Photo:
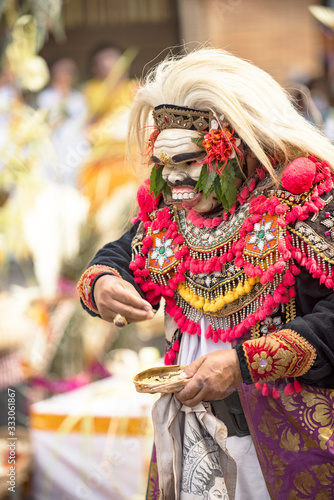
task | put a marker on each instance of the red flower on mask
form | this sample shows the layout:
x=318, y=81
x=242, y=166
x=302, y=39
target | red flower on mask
x=150, y=144
x=221, y=146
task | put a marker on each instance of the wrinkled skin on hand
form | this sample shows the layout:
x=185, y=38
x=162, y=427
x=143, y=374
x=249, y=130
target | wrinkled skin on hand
x=213, y=376
x=114, y=295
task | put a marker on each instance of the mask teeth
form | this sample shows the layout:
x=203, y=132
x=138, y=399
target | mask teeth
x=183, y=196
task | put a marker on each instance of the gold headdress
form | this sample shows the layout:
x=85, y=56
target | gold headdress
x=168, y=116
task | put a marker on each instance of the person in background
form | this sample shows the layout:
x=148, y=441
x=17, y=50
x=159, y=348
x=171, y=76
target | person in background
x=109, y=95
x=109, y=86
x=322, y=87
x=67, y=116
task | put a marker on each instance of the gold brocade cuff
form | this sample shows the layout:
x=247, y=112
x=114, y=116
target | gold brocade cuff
x=281, y=354
x=84, y=286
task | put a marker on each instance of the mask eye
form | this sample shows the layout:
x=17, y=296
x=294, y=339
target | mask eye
x=196, y=161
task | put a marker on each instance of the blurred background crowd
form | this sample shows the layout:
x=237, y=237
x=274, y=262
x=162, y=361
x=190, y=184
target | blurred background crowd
x=68, y=73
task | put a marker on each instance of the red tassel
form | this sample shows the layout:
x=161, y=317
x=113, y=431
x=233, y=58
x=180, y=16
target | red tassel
x=265, y=390
x=288, y=389
x=297, y=386
x=176, y=345
x=215, y=337
x=259, y=386
x=208, y=333
x=275, y=394
x=171, y=356
x=167, y=359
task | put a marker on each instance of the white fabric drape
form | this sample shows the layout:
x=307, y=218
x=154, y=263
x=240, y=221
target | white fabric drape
x=250, y=481
x=191, y=452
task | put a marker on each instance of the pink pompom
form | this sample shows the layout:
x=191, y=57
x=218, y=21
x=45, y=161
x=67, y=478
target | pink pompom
x=215, y=337
x=288, y=389
x=265, y=389
x=275, y=394
x=178, y=314
x=171, y=356
x=299, y=175
x=297, y=386
x=176, y=346
x=146, y=199
x=167, y=359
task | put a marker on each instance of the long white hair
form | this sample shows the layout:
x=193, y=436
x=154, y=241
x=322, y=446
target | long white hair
x=256, y=106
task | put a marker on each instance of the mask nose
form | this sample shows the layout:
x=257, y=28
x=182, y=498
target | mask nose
x=176, y=177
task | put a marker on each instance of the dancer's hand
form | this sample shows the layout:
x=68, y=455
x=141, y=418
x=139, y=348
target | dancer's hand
x=213, y=376
x=114, y=296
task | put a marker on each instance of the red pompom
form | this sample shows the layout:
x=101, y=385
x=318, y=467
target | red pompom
x=299, y=175
x=171, y=357
x=176, y=346
x=297, y=386
x=167, y=359
x=275, y=394
x=265, y=389
x=146, y=200
x=288, y=389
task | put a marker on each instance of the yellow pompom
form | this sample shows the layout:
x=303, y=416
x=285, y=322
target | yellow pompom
x=198, y=304
x=229, y=297
x=220, y=303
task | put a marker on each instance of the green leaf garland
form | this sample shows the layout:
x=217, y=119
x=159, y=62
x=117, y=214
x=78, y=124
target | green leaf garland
x=205, y=181
x=223, y=185
x=157, y=183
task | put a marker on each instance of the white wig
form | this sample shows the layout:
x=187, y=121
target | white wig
x=255, y=105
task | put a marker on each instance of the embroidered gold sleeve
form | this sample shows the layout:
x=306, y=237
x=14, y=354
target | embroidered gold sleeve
x=281, y=354
x=84, y=286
